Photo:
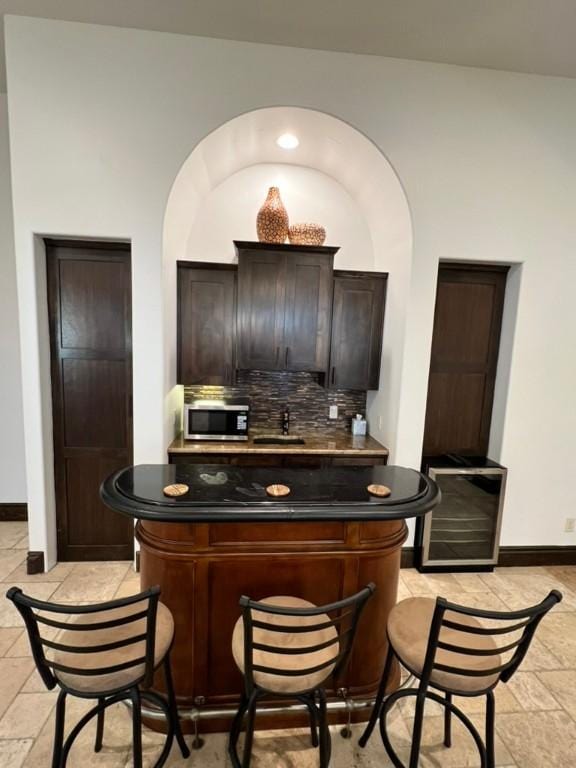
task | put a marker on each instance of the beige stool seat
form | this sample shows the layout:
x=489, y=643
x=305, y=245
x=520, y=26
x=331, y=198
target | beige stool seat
x=408, y=629
x=288, y=684
x=93, y=684
x=477, y=649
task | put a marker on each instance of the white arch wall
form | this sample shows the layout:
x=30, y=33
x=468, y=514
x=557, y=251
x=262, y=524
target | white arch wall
x=336, y=150
x=229, y=213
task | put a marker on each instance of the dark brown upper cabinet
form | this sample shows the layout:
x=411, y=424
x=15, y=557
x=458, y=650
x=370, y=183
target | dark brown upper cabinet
x=206, y=323
x=357, y=328
x=284, y=306
x=465, y=344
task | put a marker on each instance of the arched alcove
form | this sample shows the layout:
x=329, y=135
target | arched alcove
x=228, y=213
x=346, y=160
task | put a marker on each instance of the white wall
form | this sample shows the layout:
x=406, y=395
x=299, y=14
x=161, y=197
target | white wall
x=102, y=119
x=12, y=466
x=229, y=213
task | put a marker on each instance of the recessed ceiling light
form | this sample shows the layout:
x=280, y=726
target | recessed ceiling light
x=287, y=141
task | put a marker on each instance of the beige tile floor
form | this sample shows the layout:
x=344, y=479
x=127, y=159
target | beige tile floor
x=536, y=712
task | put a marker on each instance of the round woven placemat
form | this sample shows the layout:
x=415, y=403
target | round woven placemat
x=178, y=489
x=277, y=490
x=379, y=490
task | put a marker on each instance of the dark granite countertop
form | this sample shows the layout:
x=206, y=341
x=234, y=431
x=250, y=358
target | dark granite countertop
x=220, y=494
x=315, y=444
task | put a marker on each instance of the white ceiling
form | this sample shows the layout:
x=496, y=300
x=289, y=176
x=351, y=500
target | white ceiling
x=535, y=36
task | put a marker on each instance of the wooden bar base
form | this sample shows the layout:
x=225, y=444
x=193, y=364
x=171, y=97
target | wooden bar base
x=203, y=569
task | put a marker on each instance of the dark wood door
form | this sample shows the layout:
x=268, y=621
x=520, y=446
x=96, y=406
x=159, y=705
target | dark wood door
x=466, y=338
x=261, y=308
x=90, y=339
x=357, y=328
x=308, y=312
x=206, y=324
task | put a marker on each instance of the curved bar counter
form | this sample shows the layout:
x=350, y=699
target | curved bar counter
x=226, y=537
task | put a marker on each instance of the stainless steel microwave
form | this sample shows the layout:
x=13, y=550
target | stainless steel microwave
x=216, y=420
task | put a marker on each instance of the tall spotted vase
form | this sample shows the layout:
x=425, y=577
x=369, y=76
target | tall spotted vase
x=272, y=219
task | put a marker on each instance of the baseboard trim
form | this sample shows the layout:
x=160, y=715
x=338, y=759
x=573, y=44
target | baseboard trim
x=35, y=563
x=513, y=556
x=9, y=512
x=510, y=556
x=408, y=557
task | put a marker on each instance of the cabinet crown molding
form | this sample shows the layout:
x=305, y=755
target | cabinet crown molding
x=256, y=245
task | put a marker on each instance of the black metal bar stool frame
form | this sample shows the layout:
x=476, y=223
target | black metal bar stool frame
x=526, y=621
x=346, y=616
x=314, y=701
x=34, y=612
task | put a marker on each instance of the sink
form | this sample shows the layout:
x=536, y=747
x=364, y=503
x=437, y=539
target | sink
x=278, y=440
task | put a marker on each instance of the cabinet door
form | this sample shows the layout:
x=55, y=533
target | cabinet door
x=261, y=306
x=307, y=323
x=357, y=327
x=206, y=325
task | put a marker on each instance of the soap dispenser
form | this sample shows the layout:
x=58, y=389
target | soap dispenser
x=358, y=425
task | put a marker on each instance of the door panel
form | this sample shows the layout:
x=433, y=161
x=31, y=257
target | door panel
x=467, y=323
x=354, y=313
x=259, y=577
x=466, y=342
x=450, y=419
x=226, y=534
x=357, y=328
x=89, y=386
x=206, y=325
x=308, y=312
x=92, y=305
x=84, y=474
x=261, y=307
x=91, y=363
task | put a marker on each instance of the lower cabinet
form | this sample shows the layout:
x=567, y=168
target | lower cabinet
x=309, y=461
x=203, y=569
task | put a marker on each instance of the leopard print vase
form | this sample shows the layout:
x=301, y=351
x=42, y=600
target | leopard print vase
x=306, y=234
x=272, y=219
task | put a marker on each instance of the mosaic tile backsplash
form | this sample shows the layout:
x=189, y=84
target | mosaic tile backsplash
x=270, y=391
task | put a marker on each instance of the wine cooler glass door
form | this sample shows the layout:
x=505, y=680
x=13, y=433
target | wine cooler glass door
x=465, y=527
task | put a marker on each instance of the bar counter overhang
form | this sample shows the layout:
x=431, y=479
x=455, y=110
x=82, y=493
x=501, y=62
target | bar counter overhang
x=227, y=537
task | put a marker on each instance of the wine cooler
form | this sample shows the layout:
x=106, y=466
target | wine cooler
x=463, y=531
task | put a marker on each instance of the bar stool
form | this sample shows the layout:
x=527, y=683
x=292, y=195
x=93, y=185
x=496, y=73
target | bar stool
x=453, y=649
x=287, y=647
x=105, y=652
